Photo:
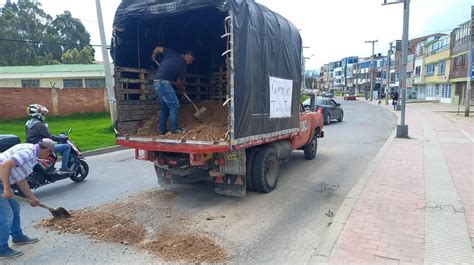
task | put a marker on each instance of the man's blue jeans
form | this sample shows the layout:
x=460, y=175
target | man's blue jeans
x=169, y=104
x=65, y=151
x=9, y=220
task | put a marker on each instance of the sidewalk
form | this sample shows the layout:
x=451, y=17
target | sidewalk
x=415, y=203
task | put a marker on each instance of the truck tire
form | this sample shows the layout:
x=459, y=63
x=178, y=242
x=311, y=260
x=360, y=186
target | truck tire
x=265, y=170
x=251, y=153
x=311, y=148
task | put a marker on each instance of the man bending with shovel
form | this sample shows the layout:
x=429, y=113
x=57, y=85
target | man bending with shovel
x=15, y=165
x=172, y=69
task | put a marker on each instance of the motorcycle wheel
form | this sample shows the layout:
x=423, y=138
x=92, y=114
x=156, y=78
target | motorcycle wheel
x=82, y=172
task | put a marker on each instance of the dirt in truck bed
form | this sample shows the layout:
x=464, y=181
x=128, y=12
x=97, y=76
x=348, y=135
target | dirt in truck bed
x=211, y=126
x=145, y=221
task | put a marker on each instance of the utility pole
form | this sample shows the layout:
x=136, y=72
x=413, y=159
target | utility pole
x=357, y=77
x=387, y=87
x=372, y=74
x=402, y=129
x=469, y=69
x=108, y=73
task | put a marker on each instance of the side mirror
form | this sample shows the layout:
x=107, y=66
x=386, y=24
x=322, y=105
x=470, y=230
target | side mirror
x=338, y=104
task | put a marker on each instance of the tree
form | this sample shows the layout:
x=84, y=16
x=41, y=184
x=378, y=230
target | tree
x=29, y=36
x=75, y=56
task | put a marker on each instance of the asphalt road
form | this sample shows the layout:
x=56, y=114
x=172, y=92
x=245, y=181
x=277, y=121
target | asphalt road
x=280, y=227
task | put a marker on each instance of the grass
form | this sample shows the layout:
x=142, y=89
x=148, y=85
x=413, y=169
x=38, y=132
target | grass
x=89, y=131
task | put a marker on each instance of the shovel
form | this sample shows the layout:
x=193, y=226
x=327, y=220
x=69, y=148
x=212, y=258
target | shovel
x=198, y=112
x=56, y=212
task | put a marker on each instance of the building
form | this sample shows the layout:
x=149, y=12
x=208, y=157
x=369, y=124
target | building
x=347, y=65
x=415, y=85
x=460, y=38
x=53, y=76
x=437, y=66
x=362, y=75
x=411, y=92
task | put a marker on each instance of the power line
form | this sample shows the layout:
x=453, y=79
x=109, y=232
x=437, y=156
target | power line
x=45, y=42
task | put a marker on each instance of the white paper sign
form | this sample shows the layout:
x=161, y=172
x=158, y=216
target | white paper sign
x=281, y=92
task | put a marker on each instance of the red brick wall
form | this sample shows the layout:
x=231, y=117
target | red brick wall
x=80, y=100
x=13, y=101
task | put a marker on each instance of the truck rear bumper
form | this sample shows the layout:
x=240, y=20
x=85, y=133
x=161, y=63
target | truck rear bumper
x=175, y=146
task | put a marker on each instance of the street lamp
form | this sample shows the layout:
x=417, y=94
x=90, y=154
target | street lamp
x=402, y=129
x=387, y=76
x=372, y=71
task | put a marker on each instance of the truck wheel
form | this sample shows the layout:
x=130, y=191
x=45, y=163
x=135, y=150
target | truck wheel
x=249, y=166
x=311, y=148
x=265, y=170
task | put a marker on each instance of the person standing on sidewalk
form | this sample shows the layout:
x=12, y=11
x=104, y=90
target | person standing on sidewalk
x=15, y=165
x=172, y=69
x=394, y=100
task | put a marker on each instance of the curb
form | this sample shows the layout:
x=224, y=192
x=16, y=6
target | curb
x=104, y=150
x=325, y=245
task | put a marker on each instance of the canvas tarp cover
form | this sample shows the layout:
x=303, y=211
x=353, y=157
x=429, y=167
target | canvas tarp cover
x=266, y=52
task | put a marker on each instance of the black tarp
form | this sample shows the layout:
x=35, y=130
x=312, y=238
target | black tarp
x=264, y=45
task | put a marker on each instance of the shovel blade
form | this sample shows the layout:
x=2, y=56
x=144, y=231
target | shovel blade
x=60, y=213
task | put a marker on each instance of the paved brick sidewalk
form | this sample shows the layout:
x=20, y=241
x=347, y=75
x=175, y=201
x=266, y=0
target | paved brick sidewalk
x=401, y=214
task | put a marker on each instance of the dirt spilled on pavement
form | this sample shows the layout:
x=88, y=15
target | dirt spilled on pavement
x=145, y=221
x=194, y=248
x=99, y=225
x=211, y=126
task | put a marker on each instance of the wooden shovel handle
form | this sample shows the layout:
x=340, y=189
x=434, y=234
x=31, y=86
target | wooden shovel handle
x=190, y=101
x=30, y=201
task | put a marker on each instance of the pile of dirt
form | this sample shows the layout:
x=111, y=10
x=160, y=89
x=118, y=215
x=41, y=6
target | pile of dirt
x=211, y=126
x=124, y=222
x=99, y=225
x=192, y=248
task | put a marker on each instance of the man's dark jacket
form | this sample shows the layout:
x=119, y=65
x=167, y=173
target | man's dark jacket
x=37, y=130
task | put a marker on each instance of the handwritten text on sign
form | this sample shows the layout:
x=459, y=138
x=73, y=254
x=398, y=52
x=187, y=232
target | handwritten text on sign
x=281, y=92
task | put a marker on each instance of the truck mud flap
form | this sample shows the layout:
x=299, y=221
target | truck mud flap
x=230, y=185
x=165, y=179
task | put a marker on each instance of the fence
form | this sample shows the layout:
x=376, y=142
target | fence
x=60, y=102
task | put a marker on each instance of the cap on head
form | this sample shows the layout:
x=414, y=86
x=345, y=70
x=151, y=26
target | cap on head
x=46, y=143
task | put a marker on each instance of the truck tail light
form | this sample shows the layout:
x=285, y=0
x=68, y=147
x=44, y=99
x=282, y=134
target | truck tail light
x=321, y=110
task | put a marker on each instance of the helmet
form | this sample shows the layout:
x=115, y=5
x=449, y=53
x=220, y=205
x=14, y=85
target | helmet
x=37, y=111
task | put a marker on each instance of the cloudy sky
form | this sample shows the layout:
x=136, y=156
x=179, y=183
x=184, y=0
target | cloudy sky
x=333, y=29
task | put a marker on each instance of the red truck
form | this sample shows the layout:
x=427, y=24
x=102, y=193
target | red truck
x=248, y=58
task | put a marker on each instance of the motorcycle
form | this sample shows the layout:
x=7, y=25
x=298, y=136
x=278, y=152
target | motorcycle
x=44, y=171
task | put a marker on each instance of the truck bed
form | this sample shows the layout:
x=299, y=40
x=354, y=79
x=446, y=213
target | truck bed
x=211, y=126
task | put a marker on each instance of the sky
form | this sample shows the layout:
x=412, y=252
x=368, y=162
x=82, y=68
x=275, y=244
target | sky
x=332, y=29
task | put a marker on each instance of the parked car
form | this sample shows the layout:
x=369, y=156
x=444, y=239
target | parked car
x=349, y=96
x=327, y=94
x=329, y=108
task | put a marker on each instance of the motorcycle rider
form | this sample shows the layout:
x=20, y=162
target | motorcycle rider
x=36, y=130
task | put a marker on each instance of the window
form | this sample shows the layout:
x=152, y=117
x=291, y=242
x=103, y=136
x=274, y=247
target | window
x=30, y=83
x=441, y=67
x=418, y=71
x=459, y=61
x=68, y=83
x=430, y=69
x=95, y=83
x=446, y=91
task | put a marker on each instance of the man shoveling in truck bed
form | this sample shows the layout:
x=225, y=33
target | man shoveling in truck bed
x=172, y=69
